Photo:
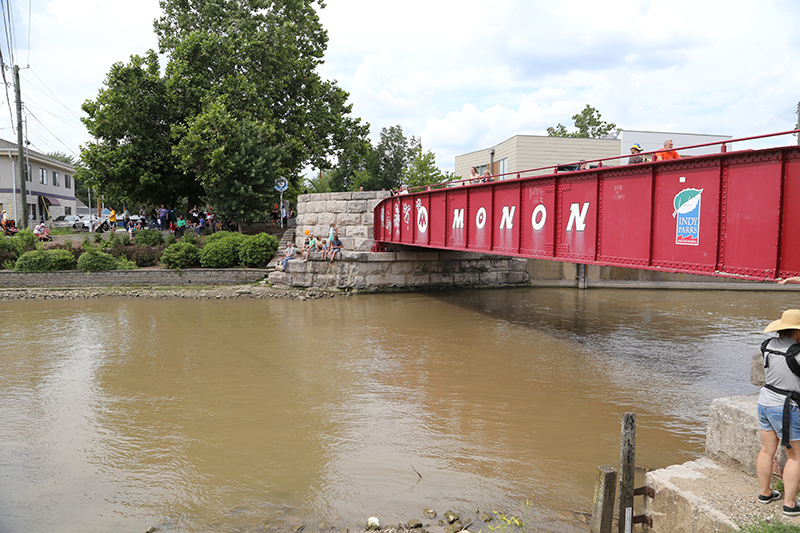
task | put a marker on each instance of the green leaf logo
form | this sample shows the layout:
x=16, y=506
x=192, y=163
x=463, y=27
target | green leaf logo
x=686, y=200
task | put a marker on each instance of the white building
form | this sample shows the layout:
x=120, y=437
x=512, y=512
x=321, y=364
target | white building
x=49, y=185
x=522, y=153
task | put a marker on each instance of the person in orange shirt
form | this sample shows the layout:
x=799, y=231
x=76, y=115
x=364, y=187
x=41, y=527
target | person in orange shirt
x=667, y=152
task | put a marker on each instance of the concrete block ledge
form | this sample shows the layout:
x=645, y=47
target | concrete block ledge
x=138, y=277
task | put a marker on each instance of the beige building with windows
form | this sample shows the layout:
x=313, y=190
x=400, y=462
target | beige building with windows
x=531, y=155
x=49, y=186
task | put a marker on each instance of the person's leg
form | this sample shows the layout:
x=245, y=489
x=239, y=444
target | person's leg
x=769, y=445
x=791, y=473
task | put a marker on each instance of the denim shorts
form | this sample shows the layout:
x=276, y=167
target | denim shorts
x=771, y=419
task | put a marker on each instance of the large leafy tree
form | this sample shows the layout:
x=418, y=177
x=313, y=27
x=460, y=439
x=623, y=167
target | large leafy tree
x=240, y=104
x=132, y=119
x=588, y=123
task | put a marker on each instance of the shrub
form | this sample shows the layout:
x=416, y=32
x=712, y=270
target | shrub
x=148, y=237
x=142, y=256
x=181, y=255
x=116, y=241
x=24, y=240
x=61, y=259
x=221, y=253
x=9, y=250
x=94, y=261
x=192, y=239
x=257, y=250
x=222, y=235
x=65, y=245
x=33, y=261
x=171, y=239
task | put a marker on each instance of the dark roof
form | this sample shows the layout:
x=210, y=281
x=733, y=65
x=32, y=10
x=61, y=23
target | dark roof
x=8, y=145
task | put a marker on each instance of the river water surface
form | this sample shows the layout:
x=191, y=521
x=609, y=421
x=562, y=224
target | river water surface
x=228, y=415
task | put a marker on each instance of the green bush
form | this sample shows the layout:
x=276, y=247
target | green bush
x=171, y=239
x=181, y=255
x=45, y=261
x=221, y=253
x=257, y=250
x=191, y=238
x=33, y=261
x=116, y=240
x=61, y=259
x=94, y=261
x=24, y=240
x=9, y=250
x=142, y=256
x=64, y=245
x=223, y=235
x=148, y=237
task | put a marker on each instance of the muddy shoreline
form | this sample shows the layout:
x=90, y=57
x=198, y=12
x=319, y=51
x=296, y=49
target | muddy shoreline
x=209, y=292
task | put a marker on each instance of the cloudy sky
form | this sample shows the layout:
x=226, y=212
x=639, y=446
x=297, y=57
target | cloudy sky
x=465, y=75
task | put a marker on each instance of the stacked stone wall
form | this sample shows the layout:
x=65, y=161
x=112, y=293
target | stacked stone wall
x=374, y=271
x=139, y=277
x=350, y=212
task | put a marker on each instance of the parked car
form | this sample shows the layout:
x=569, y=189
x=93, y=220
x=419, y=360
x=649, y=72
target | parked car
x=91, y=220
x=65, y=221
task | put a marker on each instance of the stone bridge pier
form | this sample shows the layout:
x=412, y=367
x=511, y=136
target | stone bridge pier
x=401, y=268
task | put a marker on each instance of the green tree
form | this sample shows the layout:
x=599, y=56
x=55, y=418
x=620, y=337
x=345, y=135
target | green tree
x=423, y=170
x=588, y=124
x=131, y=119
x=252, y=66
x=61, y=156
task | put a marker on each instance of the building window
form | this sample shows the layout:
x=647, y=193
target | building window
x=67, y=210
x=502, y=168
x=67, y=181
x=56, y=181
x=43, y=176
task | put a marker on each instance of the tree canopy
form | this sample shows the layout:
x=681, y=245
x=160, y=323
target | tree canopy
x=396, y=160
x=239, y=104
x=588, y=124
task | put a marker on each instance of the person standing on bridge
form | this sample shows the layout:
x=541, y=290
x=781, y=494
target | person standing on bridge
x=779, y=410
x=636, y=157
x=667, y=153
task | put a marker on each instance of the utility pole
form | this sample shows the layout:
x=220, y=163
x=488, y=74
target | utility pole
x=23, y=168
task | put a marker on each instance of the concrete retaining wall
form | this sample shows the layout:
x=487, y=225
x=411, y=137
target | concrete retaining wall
x=141, y=277
x=388, y=270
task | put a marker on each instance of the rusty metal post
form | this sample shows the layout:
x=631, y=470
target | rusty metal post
x=627, y=463
x=605, y=487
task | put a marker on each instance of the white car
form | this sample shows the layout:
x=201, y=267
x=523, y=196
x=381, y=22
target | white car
x=65, y=221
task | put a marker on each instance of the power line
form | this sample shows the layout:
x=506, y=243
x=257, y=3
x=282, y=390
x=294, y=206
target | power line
x=52, y=94
x=779, y=118
x=53, y=134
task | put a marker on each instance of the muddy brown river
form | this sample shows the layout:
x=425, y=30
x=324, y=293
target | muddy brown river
x=232, y=415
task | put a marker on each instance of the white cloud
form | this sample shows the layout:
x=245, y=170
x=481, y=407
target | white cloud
x=470, y=75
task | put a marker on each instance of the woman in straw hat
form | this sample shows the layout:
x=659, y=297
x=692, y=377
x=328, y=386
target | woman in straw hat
x=779, y=410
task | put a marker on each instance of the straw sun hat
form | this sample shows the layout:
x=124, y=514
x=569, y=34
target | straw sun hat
x=789, y=320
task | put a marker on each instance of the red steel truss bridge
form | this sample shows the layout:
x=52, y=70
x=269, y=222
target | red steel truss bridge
x=733, y=213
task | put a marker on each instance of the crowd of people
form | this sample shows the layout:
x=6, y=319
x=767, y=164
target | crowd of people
x=327, y=248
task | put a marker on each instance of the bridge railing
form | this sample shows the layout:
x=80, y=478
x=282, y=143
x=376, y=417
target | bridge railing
x=599, y=163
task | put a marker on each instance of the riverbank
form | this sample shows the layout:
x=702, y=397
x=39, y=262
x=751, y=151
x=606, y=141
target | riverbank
x=207, y=292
